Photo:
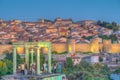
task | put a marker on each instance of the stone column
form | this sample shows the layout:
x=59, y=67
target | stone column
x=32, y=55
x=38, y=61
x=49, y=59
x=27, y=56
x=14, y=60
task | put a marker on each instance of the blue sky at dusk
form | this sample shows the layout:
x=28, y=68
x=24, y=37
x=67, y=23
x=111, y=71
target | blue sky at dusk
x=32, y=10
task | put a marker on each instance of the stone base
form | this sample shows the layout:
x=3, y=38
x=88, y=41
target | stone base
x=28, y=77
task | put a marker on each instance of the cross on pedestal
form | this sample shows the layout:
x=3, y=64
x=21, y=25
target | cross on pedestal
x=32, y=55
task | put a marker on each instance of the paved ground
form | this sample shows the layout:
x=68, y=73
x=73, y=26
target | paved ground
x=27, y=77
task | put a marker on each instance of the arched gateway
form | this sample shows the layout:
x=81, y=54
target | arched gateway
x=28, y=45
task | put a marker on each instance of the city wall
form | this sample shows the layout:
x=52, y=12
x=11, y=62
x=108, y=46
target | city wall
x=4, y=48
x=82, y=47
x=115, y=48
x=71, y=47
x=59, y=47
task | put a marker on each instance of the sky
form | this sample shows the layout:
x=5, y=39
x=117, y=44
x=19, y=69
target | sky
x=32, y=10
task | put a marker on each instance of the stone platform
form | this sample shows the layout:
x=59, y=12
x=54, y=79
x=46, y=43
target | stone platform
x=29, y=77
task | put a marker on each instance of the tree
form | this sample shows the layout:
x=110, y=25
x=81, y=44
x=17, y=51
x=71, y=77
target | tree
x=1, y=63
x=42, y=59
x=87, y=71
x=6, y=65
x=99, y=22
x=54, y=52
x=69, y=63
x=63, y=52
x=114, y=23
x=9, y=56
x=88, y=37
x=68, y=69
x=104, y=37
x=117, y=70
x=113, y=38
x=4, y=69
x=9, y=65
x=108, y=25
x=64, y=70
x=105, y=70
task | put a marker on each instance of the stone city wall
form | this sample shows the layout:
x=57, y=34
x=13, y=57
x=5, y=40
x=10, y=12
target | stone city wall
x=115, y=48
x=71, y=47
x=4, y=48
x=82, y=48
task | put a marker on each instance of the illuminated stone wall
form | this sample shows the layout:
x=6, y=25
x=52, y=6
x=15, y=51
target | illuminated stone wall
x=115, y=48
x=71, y=47
x=94, y=46
x=5, y=48
x=59, y=47
x=82, y=48
x=107, y=46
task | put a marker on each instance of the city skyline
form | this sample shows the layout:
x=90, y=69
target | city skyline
x=60, y=39
x=77, y=10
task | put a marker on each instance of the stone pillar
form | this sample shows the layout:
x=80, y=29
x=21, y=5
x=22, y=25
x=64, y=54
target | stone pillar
x=49, y=59
x=14, y=60
x=27, y=56
x=32, y=55
x=38, y=61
